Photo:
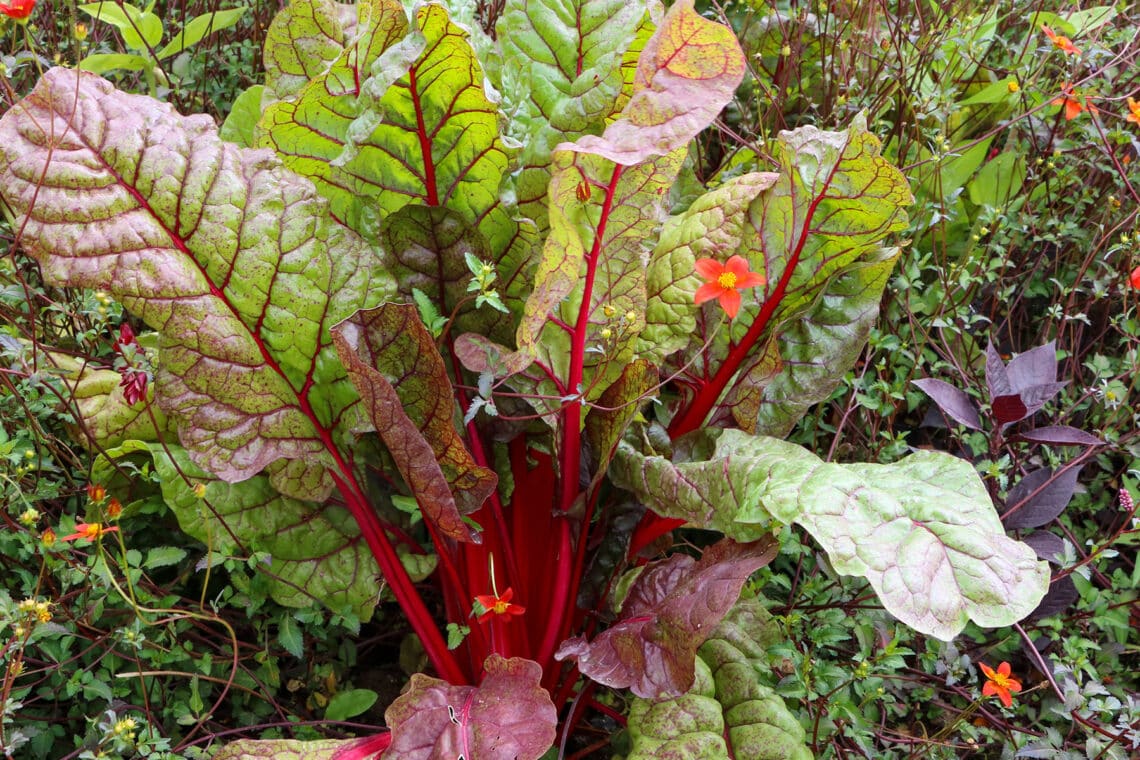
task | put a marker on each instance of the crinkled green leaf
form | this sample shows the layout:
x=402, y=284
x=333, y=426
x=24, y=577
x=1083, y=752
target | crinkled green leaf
x=230, y=257
x=561, y=78
x=309, y=131
x=688, y=71
x=317, y=553
x=303, y=40
x=715, y=222
x=923, y=530
x=616, y=408
x=826, y=215
x=669, y=612
x=509, y=715
x=366, y=748
x=728, y=701
x=394, y=364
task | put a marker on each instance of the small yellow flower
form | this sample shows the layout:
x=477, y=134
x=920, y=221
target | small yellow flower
x=606, y=333
x=80, y=32
x=1012, y=86
x=609, y=310
x=630, y=315
x=125, y=727
x=47, y=538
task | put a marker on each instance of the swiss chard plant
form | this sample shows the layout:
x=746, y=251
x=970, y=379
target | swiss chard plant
x=432, y=316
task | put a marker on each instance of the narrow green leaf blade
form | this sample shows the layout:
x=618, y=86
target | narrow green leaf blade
x=198, y=28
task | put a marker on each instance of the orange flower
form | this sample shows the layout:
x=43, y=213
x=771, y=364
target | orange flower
x=1134, y=279
x=1133, y=112
x=498, y=605
x=1061, y=42
x=1068, y=99
x=114, y=509
x=725, y=281
x=1000, y=683
x=96, y=493
x=17, y=9
x=89, y=532
x=47, y=538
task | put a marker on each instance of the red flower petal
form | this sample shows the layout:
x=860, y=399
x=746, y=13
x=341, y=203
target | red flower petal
x=730, y=302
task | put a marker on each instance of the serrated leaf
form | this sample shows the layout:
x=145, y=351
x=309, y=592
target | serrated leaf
x=508, y=715
x=290, y=637
x=953, y=402
x=231, y=258
x=316, y=551
x=198, y=28
x=293, y=749
x=923, y=530
x=689, y=70
x=394, y=364
x=349, y=704
x=669, y=612
x=163, y=556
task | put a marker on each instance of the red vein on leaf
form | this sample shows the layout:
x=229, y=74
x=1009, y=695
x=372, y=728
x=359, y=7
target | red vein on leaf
x=425, y=140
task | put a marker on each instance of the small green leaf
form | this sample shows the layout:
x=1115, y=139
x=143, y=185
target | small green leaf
x=101, y=63
x=290, y=637
x=141, y=29
x=163, y=556
x=239, y=125
x=997, y=92
x=349, y=704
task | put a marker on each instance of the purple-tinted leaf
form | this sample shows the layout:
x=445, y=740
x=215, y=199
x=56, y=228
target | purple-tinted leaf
x=1038, y=366
x=955, y=403
x=671, y=610
x=1049, y=546
x=229, y=256
x=509, y=715
x=394, y=364
x=1039, y=497
x=686, y=74
x=1060, y=435
x=1009, y=408
x=1061, y=595
x=997, y=378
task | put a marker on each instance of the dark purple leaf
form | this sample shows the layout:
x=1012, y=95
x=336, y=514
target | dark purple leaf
x=670, y=611
x=1035, y=396
x=1039, y=497
x=1049, y=546
x=997, y=378
x=1037, y=366
x=1061, y=595
x=955, y=403
x=1061, y=435
x=509, y=715
x=1009, y=408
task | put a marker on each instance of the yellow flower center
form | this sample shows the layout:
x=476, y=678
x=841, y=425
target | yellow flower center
x=726, y=280
x=500, y=607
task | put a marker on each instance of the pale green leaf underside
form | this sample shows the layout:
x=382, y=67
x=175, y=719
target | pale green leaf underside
x=923, y=531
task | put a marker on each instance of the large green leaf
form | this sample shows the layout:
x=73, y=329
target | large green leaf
x=561, y=78
x=728, y=707
x=302, y=42
x=826, y=215
x=923, y=530
x=317, y=554
x=230, y=257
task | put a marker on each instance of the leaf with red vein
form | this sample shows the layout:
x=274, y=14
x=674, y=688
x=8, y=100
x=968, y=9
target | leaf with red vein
x=229, y=256
x=688, y=71
x=394, y=364
x=673, y=607
x=302, y=42
x=509, y=715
